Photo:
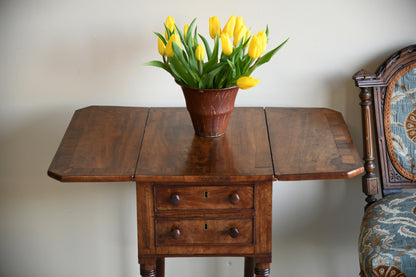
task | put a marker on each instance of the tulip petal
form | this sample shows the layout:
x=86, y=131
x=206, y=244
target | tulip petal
x=247, y=82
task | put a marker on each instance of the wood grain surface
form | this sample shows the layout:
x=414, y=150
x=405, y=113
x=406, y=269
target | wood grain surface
x=172, y=152
x=100, y=144
x=311, y=143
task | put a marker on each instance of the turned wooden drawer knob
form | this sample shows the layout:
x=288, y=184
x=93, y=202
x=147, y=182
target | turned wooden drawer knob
x=174, y=199
x=234, y=198
x=175, y=233
x=233, y=232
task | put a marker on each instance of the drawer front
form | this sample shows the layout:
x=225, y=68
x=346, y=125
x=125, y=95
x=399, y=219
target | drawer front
x=203, y=197
x=204, y=231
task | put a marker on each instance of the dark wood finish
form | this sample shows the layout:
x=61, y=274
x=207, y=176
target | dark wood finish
x=369, y=180
x=180, y=231
x=242, y=154
x=145, y=220
x=263, y=224
x=148, y=269
x=311, y=143
x=100, y=144
x=248, y=267
x=262, y=270
x=204, y=196
x=211, y=196
x=373, y=91
x=160, y=267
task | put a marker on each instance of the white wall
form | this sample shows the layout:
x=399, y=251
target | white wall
x=58, y=56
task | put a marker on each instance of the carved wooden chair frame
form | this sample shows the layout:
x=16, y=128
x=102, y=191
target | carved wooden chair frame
x=373, y=99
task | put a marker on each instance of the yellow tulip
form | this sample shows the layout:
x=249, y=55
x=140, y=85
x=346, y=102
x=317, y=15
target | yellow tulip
x=263, y=40
x=238, y=23
x=169, y=49
x=227, y=47
x=161, y=47
x=229, y=26
x=246, y=82
x=199, y=52
x=170, y=23
x=247, y=36
x=214, y=27
x=239, y=34
x=254, y=48
x=257, y=45
x=185, y=30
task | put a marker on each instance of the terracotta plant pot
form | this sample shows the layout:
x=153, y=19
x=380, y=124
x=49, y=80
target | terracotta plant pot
x=210, y=109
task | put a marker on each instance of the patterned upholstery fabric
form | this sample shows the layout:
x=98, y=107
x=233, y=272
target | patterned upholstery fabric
x=400, y=122
x=387, y=242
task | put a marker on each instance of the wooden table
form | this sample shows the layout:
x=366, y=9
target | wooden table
x=204, y=196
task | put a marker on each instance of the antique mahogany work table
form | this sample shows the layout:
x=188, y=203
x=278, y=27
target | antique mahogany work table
x=204, y=196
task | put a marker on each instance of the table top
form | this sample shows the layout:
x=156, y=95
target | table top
x=171, y=151
x=310, y=144
x=101, y=143
x=158, y=145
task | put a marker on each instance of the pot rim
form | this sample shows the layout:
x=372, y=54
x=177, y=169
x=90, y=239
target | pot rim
x=206, y=89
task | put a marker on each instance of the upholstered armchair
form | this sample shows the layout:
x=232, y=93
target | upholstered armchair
x=387, y=241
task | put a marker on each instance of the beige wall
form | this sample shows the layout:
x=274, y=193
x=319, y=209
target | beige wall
x=58, y=56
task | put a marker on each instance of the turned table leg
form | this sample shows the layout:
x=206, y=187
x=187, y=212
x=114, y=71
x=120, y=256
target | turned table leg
x=248, y=267
x=160, y=267
x=147, y=270
x=262, y=270
x=148, y=267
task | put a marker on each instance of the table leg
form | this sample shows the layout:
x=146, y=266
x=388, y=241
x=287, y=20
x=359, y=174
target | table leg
x=148, y=268
x=160, y=267
x=262, y=270
x=248, y=267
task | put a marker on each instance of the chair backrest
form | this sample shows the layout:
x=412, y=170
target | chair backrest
x=388, y=105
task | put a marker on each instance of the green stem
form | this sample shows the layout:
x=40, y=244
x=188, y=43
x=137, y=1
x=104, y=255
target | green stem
x=200, y=67
x=251, y=68
x=165, y=61
x=221, y=83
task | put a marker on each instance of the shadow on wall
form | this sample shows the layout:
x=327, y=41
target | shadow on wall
x=60, y=229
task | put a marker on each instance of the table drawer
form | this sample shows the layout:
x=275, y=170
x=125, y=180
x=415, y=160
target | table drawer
x=204, y=197
x=204, y=231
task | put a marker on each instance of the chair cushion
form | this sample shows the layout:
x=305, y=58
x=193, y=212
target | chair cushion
x=387, y=242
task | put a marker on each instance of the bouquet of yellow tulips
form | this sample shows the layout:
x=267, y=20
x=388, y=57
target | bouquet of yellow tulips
x=197, y=65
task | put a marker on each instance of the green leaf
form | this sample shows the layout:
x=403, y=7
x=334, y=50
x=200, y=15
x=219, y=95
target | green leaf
x=207, y=79
x=169, y=32
x=180, y=34
x=161, y=37
x=265, y=58
x=207, y=47
x=188, y=49
x=189, y=33
x=158, y=64
x=213, y=60
x=246, y=61
x=178, y=54
x=180, y=72
x=233, y=68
